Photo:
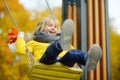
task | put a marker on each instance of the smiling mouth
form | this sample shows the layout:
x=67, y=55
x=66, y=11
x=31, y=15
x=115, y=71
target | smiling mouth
x=51, y=32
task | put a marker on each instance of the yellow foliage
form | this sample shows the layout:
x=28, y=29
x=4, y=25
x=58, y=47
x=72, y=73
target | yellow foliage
x=10, y=67
x=115, y=54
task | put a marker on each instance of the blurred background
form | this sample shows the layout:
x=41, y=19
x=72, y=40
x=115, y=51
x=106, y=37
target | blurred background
x=26, y=14
x=114, y=26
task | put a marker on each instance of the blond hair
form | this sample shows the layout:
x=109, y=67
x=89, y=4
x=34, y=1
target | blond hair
x=41, y=24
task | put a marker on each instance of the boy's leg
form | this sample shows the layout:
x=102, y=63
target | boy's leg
x=51, y=53
x=74, y=56
x=66, y=34
x=94, y=55
x=89, y=59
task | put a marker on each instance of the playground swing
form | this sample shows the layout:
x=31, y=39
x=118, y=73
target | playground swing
x=40, y=71
x=56, y=71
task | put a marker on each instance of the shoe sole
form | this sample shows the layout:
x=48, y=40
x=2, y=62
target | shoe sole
x=66, y=34
x=94, y=55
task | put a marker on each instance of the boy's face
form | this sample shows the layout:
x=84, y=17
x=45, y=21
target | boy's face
x=51, y=28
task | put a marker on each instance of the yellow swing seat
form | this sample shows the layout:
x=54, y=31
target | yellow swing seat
x=56, y=71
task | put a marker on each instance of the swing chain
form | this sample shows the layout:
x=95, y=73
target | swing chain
x=49, y=9
x=11, y=16
x=30, y=57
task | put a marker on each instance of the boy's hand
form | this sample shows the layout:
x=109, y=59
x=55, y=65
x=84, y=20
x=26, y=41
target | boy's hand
x=13, y=34
x=21, y=35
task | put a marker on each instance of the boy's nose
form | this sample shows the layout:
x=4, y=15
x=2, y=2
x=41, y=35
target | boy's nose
x=53, y=28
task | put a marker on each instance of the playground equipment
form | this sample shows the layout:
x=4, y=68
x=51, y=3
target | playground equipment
x=91, y=19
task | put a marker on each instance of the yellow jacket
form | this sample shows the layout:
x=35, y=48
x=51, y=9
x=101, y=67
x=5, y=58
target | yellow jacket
x=36, y=48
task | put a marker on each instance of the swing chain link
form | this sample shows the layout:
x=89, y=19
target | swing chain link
x=29, y=58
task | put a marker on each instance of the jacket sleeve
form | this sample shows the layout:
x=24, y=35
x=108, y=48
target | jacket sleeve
x=20, y=46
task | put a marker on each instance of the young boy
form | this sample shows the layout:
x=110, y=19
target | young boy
x=49, y=46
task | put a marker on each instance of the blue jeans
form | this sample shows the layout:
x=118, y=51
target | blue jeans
x=70, y=58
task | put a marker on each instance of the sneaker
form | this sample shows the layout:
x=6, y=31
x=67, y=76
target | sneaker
x=94, y=55
x=66, y=34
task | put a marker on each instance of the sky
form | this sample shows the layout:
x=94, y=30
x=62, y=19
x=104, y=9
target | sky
x=113, y=9
x=39, y=4
x=114, y=14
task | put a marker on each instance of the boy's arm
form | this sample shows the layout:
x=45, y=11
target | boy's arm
x=19, y=45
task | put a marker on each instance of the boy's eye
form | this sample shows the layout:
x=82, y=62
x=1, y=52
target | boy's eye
x=50, y=24
x=55, y=26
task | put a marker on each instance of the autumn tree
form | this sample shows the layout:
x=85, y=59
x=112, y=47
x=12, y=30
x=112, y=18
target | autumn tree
x=115, y=54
